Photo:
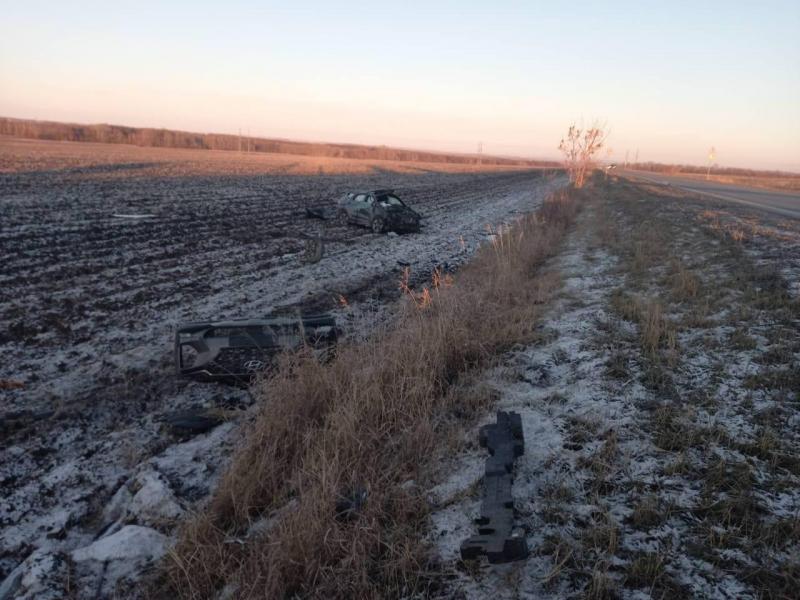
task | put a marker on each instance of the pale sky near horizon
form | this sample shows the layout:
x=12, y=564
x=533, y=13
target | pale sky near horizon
x=669, y=78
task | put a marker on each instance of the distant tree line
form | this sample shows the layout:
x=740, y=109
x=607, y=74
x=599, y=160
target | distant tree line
x=166, y=138
x=716, y=170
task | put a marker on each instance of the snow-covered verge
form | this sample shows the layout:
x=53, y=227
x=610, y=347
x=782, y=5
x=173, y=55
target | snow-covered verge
x=772, y=242
x=660, y=412
x=93, y=483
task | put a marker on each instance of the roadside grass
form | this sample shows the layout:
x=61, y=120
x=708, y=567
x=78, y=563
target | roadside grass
x=711, y=336
x=323, y=497
x=786, y=183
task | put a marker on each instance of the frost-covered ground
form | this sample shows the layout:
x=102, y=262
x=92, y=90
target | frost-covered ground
x=92, y=482
x=660, y=405
x=660, y=411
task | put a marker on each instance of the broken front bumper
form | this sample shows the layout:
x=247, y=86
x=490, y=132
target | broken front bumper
x=402, y=225
x=234, y=351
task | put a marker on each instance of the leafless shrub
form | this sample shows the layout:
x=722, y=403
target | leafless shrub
x=579, y=148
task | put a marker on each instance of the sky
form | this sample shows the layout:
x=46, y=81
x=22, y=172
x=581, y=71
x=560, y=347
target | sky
x=669, y=79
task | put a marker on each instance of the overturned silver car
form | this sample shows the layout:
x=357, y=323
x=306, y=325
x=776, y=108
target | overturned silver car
x=380, y=210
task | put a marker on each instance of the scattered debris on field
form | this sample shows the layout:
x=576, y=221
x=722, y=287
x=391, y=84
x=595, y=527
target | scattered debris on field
x=89, y=298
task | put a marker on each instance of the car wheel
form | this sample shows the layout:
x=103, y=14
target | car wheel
x=377, y=225
x=342, y=218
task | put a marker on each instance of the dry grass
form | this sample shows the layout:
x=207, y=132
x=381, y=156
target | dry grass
x=647, y=513
x=787, y=183
x=364, y=425
x=617, y=366
x=704, y=279
x=601, y=586
x=729, y=501
x=602, y=465
x=165, y=138
x=740, y=340
x=685, y=283
x=23, y=155
x=656, y=332
x=645, y=571
x=670, y=431
x=603, y=536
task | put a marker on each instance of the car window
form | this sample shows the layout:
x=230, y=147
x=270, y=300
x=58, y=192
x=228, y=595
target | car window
x=361, y=198
x=390, y=200
x=370, y=199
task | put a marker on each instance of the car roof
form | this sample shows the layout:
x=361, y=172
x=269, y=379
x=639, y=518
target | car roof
x=376, y=192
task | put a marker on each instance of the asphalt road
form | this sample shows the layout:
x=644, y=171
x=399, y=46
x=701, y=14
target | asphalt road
x=779, y=203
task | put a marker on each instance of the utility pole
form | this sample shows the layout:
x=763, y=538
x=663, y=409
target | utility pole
x=711, y=154
x=240, y=140
x=636, y=160
x=626, y=158
x=480, y=153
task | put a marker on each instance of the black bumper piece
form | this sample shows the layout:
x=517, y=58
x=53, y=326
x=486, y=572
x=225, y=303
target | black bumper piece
x=497, y=537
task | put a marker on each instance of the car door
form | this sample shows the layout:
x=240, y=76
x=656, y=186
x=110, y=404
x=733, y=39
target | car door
x=369, y=209
x=361, y=209
x=348, y=204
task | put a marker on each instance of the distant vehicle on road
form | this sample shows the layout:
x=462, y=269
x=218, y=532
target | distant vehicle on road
x=380, y=210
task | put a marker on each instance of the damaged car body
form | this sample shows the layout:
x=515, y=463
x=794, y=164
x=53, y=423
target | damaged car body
x=380, y=210
x=235, y=351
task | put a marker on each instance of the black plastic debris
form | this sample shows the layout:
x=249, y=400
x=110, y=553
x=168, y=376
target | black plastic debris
x=192, y=422
x=320, y=212
x=497, y=537
x=235, y=351
x=314, y=249
x=18, y=419
x=349, y=503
